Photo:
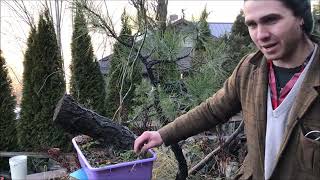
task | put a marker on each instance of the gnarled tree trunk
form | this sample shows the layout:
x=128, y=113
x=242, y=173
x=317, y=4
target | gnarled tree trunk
x=76, y=119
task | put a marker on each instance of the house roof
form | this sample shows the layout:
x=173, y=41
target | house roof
x=180, y=22
x=104, y=64
x=219, y=29
x=216, y=29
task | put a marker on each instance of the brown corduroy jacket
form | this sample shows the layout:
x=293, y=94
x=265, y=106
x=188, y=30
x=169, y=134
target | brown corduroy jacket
x=246, y=90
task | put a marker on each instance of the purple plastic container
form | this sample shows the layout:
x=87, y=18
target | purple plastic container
x=133, y=170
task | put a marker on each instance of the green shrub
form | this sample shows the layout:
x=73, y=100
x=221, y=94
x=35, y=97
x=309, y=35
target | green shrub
x=43, y=86
x=87, y=85
x=8, y=141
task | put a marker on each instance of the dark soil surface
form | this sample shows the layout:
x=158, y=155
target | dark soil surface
x=98, y=155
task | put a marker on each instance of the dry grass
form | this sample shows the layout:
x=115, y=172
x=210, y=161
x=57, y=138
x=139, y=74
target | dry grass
x=195, y=149
x=165, y=167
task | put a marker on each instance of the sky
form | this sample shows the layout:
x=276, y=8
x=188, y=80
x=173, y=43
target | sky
x=14, y=31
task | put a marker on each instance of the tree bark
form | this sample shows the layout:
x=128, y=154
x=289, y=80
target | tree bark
x=182, y=173
x=161, y=16
x=76, y=119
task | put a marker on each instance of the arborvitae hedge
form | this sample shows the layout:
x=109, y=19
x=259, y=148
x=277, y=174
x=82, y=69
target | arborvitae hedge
x=44, y=85
x=28, y=108
x=87, y=83
x=8, y=138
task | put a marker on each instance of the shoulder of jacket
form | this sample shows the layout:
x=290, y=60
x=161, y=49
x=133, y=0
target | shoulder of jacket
x=248, y=61
x=252, y=57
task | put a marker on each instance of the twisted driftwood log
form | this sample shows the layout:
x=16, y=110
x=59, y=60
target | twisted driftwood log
x=76, y=119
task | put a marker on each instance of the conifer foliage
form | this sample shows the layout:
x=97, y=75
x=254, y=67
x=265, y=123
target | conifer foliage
x=203, y=37
x=87, y=83
x=239, y=39
x=122, y=62
x=316, y=18
x=203, y=31
x=240, y=29
x=43, y=86
x=239, y=43
x=8, y=136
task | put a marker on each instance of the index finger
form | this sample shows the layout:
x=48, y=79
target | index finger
x=139, y=142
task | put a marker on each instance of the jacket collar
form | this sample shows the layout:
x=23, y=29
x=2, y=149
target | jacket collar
x=310, y=87
x=256, y=59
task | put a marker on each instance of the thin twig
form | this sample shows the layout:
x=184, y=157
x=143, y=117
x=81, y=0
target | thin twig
x=46, y=81
x=123, y=77
x=203, y=162
x=22, y=12
x=154, y=62
x=15, y=75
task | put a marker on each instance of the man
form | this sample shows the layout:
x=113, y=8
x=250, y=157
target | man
x=278, y=91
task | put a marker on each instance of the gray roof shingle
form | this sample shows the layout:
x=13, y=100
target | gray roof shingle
x=219, y=29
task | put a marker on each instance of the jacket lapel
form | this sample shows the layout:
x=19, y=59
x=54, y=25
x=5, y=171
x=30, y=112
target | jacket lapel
x=307, y=94
x=261, y=84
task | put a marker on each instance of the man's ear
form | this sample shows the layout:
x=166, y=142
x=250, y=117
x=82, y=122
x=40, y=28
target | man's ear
x=301, y=21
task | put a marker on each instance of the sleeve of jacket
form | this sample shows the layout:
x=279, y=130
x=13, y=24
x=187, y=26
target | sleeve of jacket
x=217, y=109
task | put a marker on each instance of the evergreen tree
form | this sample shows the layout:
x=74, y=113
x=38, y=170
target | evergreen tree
x=87, y=83
x=44, y=85
x=203, y=37
x=167, y=49
x=132, y=77
x=240, y=29
x=203, y=31
x=239, y=43
x=8, y=136
x=316, y=17
x=28, y=108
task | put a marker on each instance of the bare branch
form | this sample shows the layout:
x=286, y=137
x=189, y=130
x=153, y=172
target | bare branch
x=15, y=75
x=204, y=161
x=21, y=11
x=103, y=24
x=154, y=62
x=45, y=81
x=122, y=98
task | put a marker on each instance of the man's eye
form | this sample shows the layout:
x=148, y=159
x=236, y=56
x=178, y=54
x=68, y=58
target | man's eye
x=271, y=20
x=251, y=25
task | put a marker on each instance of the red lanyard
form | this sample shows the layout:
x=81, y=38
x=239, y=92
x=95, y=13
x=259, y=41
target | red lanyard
x=275, y=98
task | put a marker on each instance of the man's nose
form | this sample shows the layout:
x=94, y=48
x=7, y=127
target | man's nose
x=263, y=33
